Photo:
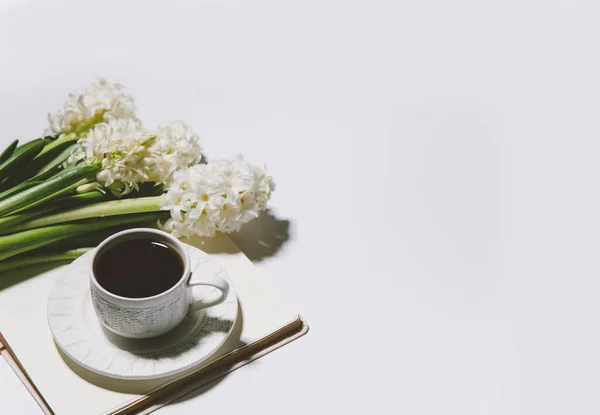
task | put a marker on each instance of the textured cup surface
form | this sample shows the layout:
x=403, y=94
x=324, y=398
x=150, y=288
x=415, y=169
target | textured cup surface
x=141, y=317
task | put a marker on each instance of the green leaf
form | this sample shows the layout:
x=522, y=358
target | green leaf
x=96, y=210
x=36, y=165
x=21, y=157
x=36, y=257
x=17, y=243
x=48, y=189
x=58, y=160
x=8, y=151
x=8, y=223
x=30, y=183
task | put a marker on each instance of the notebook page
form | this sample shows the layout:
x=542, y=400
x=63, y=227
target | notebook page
x=23, y=324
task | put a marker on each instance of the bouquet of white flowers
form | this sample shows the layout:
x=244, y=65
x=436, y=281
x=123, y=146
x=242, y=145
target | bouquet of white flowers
x=98, y=170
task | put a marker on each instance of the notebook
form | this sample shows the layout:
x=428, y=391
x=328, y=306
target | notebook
x=265, y=322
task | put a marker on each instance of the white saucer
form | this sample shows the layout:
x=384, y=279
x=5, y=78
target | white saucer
x=80, y=335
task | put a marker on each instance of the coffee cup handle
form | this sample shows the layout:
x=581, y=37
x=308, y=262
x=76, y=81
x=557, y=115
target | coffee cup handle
x=213, y=281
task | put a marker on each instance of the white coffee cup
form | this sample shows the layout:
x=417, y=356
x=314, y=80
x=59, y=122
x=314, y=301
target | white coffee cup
x=150, y=316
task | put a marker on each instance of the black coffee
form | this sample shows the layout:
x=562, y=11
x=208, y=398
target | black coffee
x=138, y=268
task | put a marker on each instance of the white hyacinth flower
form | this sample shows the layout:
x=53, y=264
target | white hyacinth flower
x=103, y=101
x=177, y=147
x=219, y=196
x=130, y=154
x=122, y=148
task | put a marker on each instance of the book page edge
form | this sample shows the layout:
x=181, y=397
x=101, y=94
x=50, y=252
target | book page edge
x=12, y=361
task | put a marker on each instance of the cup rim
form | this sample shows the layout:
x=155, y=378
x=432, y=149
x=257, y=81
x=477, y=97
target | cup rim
x=178, y=245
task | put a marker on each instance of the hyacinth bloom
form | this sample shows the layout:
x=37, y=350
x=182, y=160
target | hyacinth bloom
x=103, y=101
x=219, y=196
x=129, y=154
x=99, y=168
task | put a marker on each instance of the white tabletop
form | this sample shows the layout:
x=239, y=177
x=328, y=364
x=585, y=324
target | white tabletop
x=437, y=167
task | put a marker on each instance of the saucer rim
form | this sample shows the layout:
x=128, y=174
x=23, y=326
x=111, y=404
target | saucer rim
x=231, y=300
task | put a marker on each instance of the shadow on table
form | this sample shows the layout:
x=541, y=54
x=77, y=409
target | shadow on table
x=12, y=277
x=262, y=238
x=143, y=387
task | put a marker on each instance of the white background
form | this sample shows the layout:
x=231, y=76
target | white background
x=437, y=162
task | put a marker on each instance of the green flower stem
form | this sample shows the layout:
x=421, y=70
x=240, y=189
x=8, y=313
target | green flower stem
x=50, y=188
x=16, y=188
x=36, y=258
x=53, y=196
x=89, y=187
x=7, y=222
x=17, y=243
x=97, y=210
x=29, y=245
x=91, y=239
